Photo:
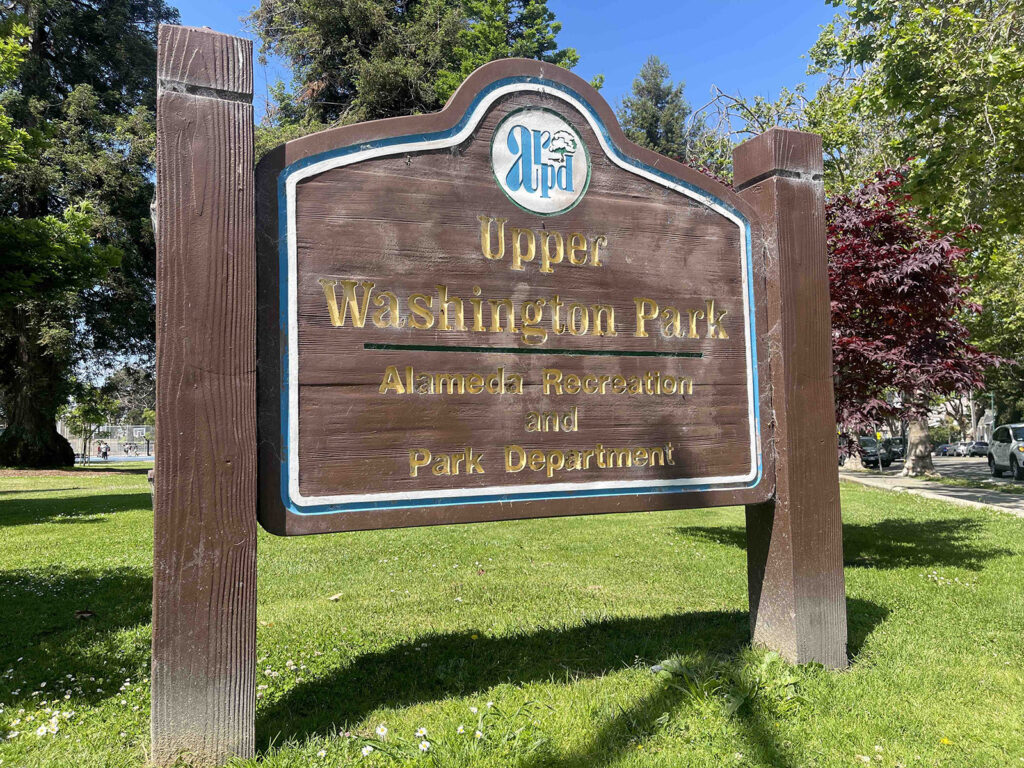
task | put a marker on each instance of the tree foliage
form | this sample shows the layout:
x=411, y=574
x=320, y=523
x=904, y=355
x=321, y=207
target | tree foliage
x=941, y=83
x=657, y=115
x=947, y=78
x=78, y=251
x=898, y=340
x=133, y=391
x=370, y=59
x=91, y=409
x=500, y=29
x=998, y=288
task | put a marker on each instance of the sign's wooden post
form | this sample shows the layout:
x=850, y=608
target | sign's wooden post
x=204, y=578
x=794, y=541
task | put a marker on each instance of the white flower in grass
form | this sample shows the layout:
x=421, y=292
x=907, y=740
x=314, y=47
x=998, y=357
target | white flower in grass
x=474, y=710
x=421, y=733
x=478, y=734
x=322, y=753
x=424, y=746
x=461, y=729
x=41, y=730
x=382, y=731
x=367, y=750
x=490, y=704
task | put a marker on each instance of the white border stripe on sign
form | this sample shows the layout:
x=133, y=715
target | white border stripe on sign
x=314, y=169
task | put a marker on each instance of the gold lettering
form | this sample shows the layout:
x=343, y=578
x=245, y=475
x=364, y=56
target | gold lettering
x=607, y=311
x=546, y=257
x=349, y=301
x=715, y=329
x=485, y=237
x=444, y=301
x=532, y=315
x=424, y=311
x=418, y=458
x=672, y=322
x=552, y=381
x=695, y=315
x=595, y=245
x=646, y=309
x=518, y=257
x=394, y=320
x=496, y=305
x=578, y=320
x=517, y=453
x=392, y=382
x=577, y=244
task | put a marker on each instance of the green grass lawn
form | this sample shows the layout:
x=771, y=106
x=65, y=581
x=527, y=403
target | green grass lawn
x=986, y=485
x=548, y=628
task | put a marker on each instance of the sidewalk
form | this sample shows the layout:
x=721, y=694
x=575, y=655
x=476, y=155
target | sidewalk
x=968, y=497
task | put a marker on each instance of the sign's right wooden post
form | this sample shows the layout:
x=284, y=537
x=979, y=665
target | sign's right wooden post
x=794, y=541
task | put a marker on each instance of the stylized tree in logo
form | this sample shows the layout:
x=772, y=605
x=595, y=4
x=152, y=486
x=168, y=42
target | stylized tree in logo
x=562, y=144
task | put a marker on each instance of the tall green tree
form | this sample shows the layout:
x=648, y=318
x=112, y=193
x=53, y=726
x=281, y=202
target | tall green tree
x=657, y=115
x=947, y=76
x=941, y=82
x=78, y=257
x=500, y=29
x=359, y=59
x=370, y=59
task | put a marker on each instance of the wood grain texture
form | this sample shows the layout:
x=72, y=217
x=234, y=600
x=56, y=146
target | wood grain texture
x=410, y=222
x=795, y=560
x=792, y=154
x=204, y=58
x=204, y=577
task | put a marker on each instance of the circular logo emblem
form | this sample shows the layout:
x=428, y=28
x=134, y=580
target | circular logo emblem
x=540, y=161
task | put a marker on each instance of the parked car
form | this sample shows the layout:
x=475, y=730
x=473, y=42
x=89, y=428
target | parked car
x=962, y=448
x=978, y=448
x=1006, y=451
x=871, y=452
x=941, y=450
x=898, y=448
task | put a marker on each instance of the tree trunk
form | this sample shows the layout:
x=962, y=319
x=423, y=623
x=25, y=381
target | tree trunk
x=31, y=438
x=919, y=451
x=853, y=462
x=33, y=380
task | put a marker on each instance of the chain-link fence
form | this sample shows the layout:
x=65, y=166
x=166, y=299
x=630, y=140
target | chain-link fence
x=113, y=441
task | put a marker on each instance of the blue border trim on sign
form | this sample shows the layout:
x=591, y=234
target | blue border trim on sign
x=286, y=449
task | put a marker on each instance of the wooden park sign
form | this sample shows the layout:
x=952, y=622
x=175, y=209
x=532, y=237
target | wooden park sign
x=501, y=310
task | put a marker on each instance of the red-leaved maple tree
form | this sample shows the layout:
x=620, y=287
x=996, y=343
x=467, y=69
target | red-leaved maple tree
x=898, y=340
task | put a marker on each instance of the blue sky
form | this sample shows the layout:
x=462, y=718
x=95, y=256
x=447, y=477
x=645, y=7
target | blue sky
x=750, y=46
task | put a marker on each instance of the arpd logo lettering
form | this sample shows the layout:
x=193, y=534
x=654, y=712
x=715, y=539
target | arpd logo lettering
x=540, y=161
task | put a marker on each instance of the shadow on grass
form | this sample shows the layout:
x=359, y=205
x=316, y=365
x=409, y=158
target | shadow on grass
x=894, y=543
x=72, y=509
x=40, y=628
x=43, y=490
x=457, y=665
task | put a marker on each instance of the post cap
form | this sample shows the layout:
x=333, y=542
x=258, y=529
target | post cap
x=777, y=152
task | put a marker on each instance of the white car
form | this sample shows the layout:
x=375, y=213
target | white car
x=1006, y=451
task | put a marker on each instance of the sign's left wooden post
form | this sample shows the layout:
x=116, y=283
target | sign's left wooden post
x=204, y=577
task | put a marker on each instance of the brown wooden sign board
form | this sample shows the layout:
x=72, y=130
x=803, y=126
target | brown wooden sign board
x=501, y=310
